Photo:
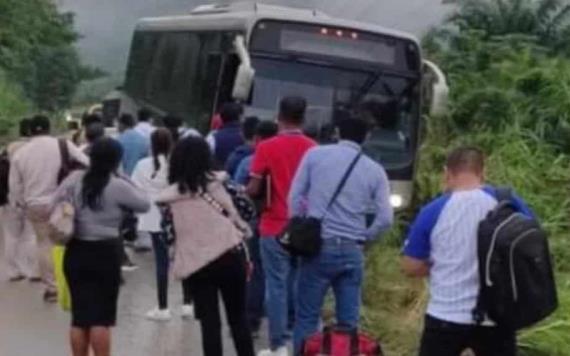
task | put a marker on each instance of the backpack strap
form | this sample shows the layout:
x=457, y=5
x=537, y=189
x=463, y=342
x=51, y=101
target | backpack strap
x=504, y=194
x=65, y=168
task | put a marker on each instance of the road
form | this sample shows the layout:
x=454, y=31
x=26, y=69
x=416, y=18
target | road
x=28, y=327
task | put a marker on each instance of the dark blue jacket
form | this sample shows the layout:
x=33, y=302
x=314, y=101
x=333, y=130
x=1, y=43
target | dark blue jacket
x=227, y=139
x=236, y=157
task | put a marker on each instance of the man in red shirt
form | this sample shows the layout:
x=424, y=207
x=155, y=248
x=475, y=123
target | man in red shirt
x=275, y=162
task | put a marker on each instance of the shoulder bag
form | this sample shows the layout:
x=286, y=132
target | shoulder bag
x=302, y=236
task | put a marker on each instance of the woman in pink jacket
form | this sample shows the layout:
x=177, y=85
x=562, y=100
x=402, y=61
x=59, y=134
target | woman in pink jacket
x=209, y=251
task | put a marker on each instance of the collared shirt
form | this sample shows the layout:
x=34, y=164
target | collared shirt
x=277, y=160
x=145, y=129
x=445, y=235
x=135, y=147
x=317, y=179
x=34, y=170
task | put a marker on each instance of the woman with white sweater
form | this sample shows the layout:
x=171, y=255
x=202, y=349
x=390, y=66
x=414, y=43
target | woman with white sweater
x=151, y=174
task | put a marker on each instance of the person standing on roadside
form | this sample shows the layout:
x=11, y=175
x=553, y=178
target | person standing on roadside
x=209, y=254
x=92, y=262
x=35, y=173
x=144, y=123
x=340, y=264
x=275, y=161
x=135, y=145
x=248, y=133
x=20, y=250
x=227, y=138
x=442, y=245
x=264, y=131
x=151, y=175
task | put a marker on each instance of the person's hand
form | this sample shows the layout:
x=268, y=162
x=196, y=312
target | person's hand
x=249, y=268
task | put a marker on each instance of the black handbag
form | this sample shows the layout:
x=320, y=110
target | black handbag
x=302, y=236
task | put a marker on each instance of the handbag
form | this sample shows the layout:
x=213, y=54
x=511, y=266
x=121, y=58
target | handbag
x=341, y=341
x=61, y=221
x=302, y=236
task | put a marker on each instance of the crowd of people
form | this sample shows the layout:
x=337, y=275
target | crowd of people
x=189, y=194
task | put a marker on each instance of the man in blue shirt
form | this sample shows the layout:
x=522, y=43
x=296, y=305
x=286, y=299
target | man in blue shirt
x=225, y=140
x=135, y=146
x=340, y=263
x=248, y=128
x=442, y=245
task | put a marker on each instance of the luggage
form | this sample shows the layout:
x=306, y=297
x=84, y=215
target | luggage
x=339, y=341
x=517, y=280
x=63, y=296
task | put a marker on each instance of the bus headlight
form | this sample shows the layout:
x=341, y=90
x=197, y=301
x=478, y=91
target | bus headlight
x=396, y=200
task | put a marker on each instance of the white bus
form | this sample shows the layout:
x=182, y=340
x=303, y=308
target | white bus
x=190, y=64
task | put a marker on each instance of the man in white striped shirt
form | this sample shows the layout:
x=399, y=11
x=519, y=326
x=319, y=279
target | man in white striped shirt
x=442, y=245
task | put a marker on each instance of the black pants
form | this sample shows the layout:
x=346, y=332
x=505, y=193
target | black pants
x=162, y=261
x=226, y=277
x=442, y=338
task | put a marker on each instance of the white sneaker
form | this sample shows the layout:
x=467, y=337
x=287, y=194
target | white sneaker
x=282, y=351
x=187, y=311
x=159, y=315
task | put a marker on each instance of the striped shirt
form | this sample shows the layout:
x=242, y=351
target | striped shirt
x=445, y=235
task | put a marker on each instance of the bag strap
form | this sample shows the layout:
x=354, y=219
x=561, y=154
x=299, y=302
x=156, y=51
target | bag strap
x=504, y=194
x=65, y=160
x=343, y=181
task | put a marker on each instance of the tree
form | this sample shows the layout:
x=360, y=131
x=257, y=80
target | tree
x=547, y=20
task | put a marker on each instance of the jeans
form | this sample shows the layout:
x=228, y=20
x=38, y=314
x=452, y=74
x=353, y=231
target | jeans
x=226, y=276
x=339, y=265
x=162, y=258
x=256, y=286
x=280, y=289
x=441, y=338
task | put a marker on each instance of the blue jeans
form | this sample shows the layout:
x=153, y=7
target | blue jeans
x=339, y=265
x=280, y=289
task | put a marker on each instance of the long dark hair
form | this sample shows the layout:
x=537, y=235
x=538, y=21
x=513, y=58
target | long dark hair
x=161, y=144
x=105, y=155
x=191, y=165
x=173, y=123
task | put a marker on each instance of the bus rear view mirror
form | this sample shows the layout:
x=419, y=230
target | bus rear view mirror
x=243, y=82
x=438, y=91
x=245, y=72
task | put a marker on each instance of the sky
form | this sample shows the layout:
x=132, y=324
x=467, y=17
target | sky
x=106, y=26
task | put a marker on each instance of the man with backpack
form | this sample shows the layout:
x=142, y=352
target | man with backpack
x=35, y=172
x=446, y=244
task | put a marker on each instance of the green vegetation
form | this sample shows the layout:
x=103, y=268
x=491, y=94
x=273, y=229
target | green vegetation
x=39, y=63
x=510, y=94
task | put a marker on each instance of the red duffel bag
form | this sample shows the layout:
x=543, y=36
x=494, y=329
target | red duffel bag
x=339, y=341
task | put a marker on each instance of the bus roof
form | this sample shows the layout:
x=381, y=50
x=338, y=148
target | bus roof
x=242, y=16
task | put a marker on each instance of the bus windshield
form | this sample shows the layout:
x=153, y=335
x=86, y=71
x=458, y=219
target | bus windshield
x=331, y=90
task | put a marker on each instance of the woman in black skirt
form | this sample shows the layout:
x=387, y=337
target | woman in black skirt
x=92, y=263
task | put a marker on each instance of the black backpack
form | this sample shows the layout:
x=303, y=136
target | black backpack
x=4, y=177
x=516, y=277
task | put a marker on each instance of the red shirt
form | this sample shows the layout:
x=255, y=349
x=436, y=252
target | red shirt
x=279, y=159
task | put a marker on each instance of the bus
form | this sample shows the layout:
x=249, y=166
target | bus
x=254, y=53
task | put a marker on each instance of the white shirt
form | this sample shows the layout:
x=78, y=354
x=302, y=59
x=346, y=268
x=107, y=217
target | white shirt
x=152, y=182
x=35, y=167
x=145, y=129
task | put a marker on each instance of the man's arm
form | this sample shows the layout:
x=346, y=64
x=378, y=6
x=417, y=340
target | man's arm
x=384, y=217
x=15, y=185
x=259, y=167
x=300, y=187
x=417, y=249
x=414, y=268
x=76, y=155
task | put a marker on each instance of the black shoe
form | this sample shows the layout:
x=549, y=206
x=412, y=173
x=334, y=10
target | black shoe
x=16, y=278
x=50, y=296
x=35, y=279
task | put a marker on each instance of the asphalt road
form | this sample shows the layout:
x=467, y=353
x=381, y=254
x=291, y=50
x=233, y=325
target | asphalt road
x=28, y=327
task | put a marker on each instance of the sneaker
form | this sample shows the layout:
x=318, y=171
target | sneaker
x=17, y=278
x=187, y=311
x=282, y=351
x=129, y=267
x=159, y=314
x=50, y=296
